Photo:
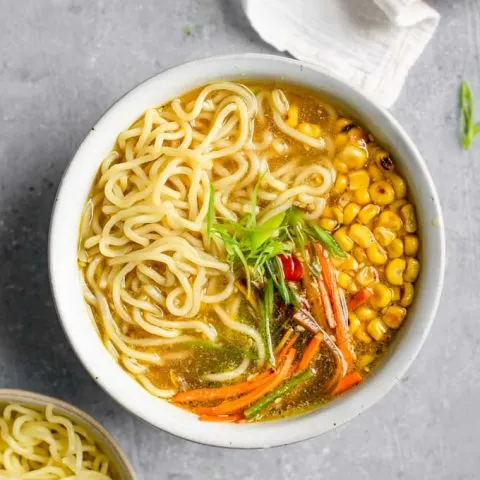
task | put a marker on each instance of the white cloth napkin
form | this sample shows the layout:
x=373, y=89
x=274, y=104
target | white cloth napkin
x=369, y=43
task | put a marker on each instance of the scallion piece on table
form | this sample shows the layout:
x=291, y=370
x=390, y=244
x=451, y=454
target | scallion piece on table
x=469, y=129
x=289, y=385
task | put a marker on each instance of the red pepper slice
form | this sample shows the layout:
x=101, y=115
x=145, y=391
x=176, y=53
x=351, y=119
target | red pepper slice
x=292, y=267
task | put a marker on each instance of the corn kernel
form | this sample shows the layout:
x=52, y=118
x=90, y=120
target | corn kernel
x=344, y=280
x=382, y=193
x=384, y=236
x=382, y=159
x=341, y=184
x=367, y=275
x=354, y=323
x=396, y=294
x=359, y=179
x=364, y=361
x=397, y=204
x=341, y=123
x=394, y=316
x=337, y=214
x=345, y=242
x=360, y=254
x=407, y=296
x=394, y=271
x=363, y=336
x=377, y=329
x=375, y=172
x=353, y=288
x=368, y=212
x=350, y=212
x=327, y=212
x=362, y=196
x=328, y=224
x=395, y=249
x=361, y=235
x=348, y=264
x=353, y=156
x=292, y=116
x=310, y=129
x=390, y=220
x=356, y=134
x=376, y=254
x=382, y=296
x=411, y=245
x=340, y=166
x=412, y=270
x=398, y=184
x=341, y=141
x=365, y=313
x=409, y=218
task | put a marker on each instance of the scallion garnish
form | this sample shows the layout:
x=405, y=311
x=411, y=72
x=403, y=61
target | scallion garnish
x=469, y=129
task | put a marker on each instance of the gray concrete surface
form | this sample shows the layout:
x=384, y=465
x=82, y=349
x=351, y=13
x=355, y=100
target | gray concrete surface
x=62, y=62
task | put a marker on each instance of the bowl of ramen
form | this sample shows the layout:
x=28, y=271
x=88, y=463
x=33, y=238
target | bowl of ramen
x=246, y=251
x=48, y=439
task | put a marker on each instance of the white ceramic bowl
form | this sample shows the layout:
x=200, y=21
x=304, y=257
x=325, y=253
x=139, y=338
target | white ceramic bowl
x=120, y=465
x=65, y=278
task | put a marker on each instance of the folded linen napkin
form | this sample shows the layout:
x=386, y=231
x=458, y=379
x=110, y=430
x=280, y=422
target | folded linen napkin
x=369, y=43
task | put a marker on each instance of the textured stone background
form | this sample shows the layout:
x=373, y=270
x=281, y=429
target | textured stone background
x=62, y=63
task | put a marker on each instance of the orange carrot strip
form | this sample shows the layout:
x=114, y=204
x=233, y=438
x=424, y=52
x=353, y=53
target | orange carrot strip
x=348, y=382
x=341, y=331
x=284, y=340
x=239, y=404
x=207, y=394
x=310, y=352
x=314, y=299
x=327, y=306
x=359, y=298
x=220, y=418
x=287, y=347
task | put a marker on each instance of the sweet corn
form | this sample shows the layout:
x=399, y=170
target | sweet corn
x=341, y=141
x=396, y=294
x=342, y=123
x=337, y=214
x=395, y=249
x=344, y=280
x=341, y=184
x=398, y=184
x=394, y=271
x=375, y=172
x=310, y=129
x=353, y=288
x=394, y=316
x=409, y=218
x=362, y=196
x=359, y=179
x=390, y=220
x=360, y=254
x=364, y=361
x=397, y=204
x=412, y=270
x=382, y=296
x=363, y=336
x=350, y=212
x=410, y=245
x=345, y=242
x=384, y=236
x=356, y=134
x=382, y=159
x=353, y=156
x=377, y=329
x=367, y=275
x=340, y=166
x=368, y=212
x=354, y=323
x=376, y=254
x=348, y=264
x=292, y=116
x=361, y=235
x=407, y=296
x=328, y=224
x=327, y=212
x=382, y=193
x=365, y=313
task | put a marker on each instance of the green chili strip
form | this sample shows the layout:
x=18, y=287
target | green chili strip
x=283, y=389
x=267, y=314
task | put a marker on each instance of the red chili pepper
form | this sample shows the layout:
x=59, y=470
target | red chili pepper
x=292, y=268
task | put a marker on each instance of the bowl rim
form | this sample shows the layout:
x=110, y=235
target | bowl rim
x=265, y=434
x=34, y=399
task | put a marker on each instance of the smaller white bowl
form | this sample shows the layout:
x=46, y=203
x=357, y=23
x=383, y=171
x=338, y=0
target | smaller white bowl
x=65, y=277
x=119, y=462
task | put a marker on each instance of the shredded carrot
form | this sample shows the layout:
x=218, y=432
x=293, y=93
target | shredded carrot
x=359, y=298
x=207, y=394
x=310, y=352
x=287, y=347
x=241, y=403
x=284, y=340
x=341, y=331
x=220, y=418
x=314, y=299
x=347, y=382
x=327, y=306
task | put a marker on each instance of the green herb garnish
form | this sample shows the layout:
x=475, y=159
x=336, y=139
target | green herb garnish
x=187, y=30
x=469, y=129
x=267, y=318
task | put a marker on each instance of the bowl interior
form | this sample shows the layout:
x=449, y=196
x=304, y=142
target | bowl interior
x=120, y=465
x=65, y=277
